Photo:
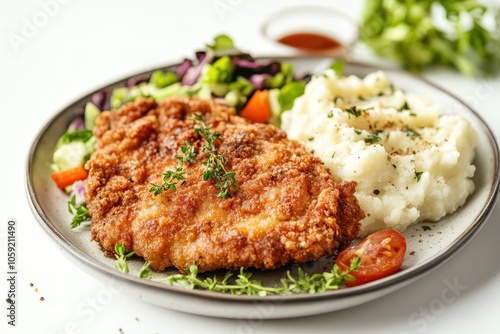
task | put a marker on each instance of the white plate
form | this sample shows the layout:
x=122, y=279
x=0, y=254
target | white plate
x=427, y=249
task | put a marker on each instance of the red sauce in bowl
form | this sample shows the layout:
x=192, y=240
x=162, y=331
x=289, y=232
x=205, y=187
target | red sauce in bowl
x=310, y=41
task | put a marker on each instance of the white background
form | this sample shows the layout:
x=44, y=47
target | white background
x=82, y=45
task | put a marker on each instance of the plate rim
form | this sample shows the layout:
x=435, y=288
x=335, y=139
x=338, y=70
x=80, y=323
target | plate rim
x=397, y=279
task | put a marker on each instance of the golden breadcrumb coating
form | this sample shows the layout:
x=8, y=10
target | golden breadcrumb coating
x=287, y=208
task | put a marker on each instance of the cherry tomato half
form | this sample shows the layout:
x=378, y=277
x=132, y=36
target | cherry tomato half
x=381, y=254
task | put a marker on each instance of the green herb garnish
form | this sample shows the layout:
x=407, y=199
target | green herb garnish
x=172, y=177
x=79, y=211
x=405, y=106
x=215, y=162
x=145, y=271
x=244, y=284
x=354, y=111
x=410, y=132
x=373, y=137
x=121, y=258
x=170, y=180
x=418, y=175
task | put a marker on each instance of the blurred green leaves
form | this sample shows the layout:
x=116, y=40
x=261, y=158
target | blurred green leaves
x=462, y=34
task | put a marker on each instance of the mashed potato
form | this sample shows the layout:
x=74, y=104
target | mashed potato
x=411, y=162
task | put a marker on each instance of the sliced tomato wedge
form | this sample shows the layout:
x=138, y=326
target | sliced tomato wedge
x=381, y=254
x=257, y=108
x=69, y=176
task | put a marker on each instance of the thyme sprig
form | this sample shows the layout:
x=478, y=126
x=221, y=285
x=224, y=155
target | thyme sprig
x=172, y=177
x=215, y=162
x=170, y=180
x=244, y=284
x=79, y=211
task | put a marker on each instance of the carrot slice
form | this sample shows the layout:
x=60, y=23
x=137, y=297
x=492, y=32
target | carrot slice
x=69, y=176
x=257, y=108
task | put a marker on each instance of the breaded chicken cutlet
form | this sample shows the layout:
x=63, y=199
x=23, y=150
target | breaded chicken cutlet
x=286, y=208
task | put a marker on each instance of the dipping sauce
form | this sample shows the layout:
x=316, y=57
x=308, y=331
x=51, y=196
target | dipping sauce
x=310, y=41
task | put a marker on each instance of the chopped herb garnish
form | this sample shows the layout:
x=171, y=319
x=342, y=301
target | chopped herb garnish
x=410, y=132
x=358, y=132
x=310, y=138
x=330, y=114
x=79, y=211
x=426, y=228
x=354, y=111
x=418, y=175
x=373, y=137
x=404, y=107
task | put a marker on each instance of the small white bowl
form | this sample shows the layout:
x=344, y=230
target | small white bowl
x=322, y=21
